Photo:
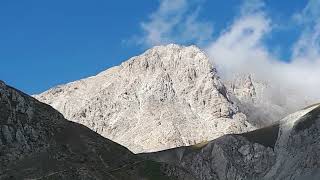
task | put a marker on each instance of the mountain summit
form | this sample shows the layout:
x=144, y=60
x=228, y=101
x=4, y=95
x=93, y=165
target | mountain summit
x=167, y=97
x=36, y=142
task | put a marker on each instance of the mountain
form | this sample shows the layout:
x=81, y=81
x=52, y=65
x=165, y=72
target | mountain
x=167, y=97
x=36, y=142
x=258, y=99
x=288, y=149
x=264, y=102
x=171, y=99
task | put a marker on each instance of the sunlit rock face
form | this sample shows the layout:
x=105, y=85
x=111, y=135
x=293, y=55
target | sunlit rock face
x=286, y=150
x=257, y=99
x=36, y=142
x=263, y=101
x=167, y=97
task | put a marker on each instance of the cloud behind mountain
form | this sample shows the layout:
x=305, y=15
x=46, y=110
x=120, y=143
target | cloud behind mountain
x=242, y=48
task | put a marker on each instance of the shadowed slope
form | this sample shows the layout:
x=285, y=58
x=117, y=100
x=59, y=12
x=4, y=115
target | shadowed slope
x=289, y=148
x=167, y=97
x=36, y=142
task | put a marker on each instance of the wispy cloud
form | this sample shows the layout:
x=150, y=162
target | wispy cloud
x=175, y=21
x=308, y=45
x=240, y=48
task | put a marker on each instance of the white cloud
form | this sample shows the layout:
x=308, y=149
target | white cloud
x=236, y=52
x=308, y=45
x=240, y=48
x=175, y=21
x=310, y=14
x=250, y=7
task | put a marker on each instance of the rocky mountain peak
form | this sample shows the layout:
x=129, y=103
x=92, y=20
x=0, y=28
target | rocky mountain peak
x=264, y=102
x=244, y=88
x=36, y=142
x=167, y=97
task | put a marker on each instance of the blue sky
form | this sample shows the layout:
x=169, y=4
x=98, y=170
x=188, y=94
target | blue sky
x=46, y=43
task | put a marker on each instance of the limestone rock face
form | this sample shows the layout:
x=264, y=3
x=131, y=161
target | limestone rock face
x=36, y=142
x=298, y=146
x=287, y=150
x=228, y=157
x=169, y=96
x=263, y=103
x=19, y=133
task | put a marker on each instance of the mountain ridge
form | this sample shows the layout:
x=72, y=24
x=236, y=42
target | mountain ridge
x=250, y=156
x=36, y=142
x=171, y=94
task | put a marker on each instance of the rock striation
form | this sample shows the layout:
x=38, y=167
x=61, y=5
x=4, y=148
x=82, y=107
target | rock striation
x=262, y=101
x=258, y=100
x=167, y=97
x=36, y=142
x=288, y=149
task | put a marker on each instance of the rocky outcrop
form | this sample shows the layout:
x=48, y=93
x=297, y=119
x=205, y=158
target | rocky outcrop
x=288, y=149
x=36, y=142
x=228, y=157
x=169, y=96
x=258, y=100
x=264, y=102
x=298, y=146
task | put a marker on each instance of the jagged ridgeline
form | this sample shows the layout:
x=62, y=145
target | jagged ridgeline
x=167, y=97
x=38, y=143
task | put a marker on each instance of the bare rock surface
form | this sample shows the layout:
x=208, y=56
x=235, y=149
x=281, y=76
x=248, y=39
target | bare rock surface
x=36, y=142
x=228, y=157
x=264, y=102
x=298, y=146
x=167, y=97
x=286, y=150
x=257, y=99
